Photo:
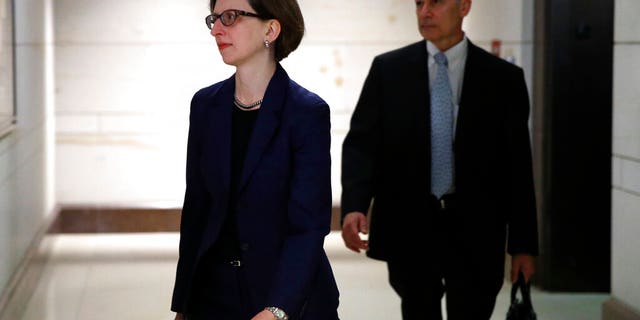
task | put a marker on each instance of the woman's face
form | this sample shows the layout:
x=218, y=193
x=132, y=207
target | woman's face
x=244, y=39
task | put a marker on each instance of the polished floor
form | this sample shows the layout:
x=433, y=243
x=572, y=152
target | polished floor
x=130, y=276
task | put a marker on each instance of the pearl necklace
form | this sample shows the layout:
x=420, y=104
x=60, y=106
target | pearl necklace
x=246, y=107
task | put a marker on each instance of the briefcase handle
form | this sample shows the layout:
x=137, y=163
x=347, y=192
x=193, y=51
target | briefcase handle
x=525, y=290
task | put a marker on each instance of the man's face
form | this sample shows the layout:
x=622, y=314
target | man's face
x=440, y=21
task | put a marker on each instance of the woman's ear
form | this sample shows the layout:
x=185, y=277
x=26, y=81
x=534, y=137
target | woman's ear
x=273, y=30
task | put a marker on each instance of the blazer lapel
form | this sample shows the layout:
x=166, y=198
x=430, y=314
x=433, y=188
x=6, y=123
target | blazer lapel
x=217, y=153
x=220, y=132
x=266, y=124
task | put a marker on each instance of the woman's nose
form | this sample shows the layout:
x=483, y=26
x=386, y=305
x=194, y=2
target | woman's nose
x=216, y=28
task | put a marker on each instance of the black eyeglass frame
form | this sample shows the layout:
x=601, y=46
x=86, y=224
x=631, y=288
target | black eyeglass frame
x=212, y=18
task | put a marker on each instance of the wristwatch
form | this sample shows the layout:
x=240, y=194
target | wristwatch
x=278, y=313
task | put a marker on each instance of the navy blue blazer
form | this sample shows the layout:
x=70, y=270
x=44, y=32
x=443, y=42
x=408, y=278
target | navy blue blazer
x=284, y=197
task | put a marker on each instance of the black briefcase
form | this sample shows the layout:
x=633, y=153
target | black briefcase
x=521, y=309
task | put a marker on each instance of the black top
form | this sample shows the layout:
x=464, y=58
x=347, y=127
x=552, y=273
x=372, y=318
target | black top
x=242, y=123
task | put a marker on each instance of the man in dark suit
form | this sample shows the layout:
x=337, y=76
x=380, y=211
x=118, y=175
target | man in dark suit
x=394, y=142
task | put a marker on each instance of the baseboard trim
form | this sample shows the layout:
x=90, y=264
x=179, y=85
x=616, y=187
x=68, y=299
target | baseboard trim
x=113, y=219
x=614, y=309
x=24, y=281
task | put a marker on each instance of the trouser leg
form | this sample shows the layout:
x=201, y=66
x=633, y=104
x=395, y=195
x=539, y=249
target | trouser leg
x=219, y=295
x=468, y=300
x=420, y=290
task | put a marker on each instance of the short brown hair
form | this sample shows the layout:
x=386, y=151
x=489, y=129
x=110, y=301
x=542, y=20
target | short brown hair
x=288, y=13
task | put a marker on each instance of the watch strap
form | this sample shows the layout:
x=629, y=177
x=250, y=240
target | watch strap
x=278, y=313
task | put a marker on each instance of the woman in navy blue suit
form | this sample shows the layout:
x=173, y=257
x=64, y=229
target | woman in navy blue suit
x=257, y=204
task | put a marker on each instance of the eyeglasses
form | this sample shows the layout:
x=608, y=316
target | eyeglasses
x=227, y=17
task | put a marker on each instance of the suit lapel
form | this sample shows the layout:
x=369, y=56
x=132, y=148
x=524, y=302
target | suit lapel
x=266, y=124
x=419, y=95
x=470, y=86
x=417, y=99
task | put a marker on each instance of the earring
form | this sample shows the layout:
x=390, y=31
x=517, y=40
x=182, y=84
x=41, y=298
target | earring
x=267, y=44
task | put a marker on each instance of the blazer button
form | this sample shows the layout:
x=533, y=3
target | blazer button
x=244, y=247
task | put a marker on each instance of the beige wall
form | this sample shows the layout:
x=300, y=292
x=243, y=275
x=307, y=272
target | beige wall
x=126, y=71
x=625, y=258
x=26, y=161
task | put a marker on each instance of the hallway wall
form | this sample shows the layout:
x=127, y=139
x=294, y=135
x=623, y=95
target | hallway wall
x=26, y=154
x=126, y=71
x=625, y=285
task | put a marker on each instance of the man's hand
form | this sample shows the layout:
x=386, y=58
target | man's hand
x=522, y=263
x=179, y=316
x=354, y=224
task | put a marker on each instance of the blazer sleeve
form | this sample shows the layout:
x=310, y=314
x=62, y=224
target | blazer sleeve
x=309, y=208
x=361, y=145
x=523, y=230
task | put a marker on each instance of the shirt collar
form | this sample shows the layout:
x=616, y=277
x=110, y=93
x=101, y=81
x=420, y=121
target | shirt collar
x=453, y=54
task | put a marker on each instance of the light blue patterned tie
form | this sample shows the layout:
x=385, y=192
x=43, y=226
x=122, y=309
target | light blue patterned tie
x=441, y=129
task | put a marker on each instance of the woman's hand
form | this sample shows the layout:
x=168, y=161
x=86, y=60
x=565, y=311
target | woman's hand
x=264, y=315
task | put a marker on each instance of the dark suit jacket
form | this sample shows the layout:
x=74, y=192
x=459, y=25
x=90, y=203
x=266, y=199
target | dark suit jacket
x=386, y=157
x=284, y=197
